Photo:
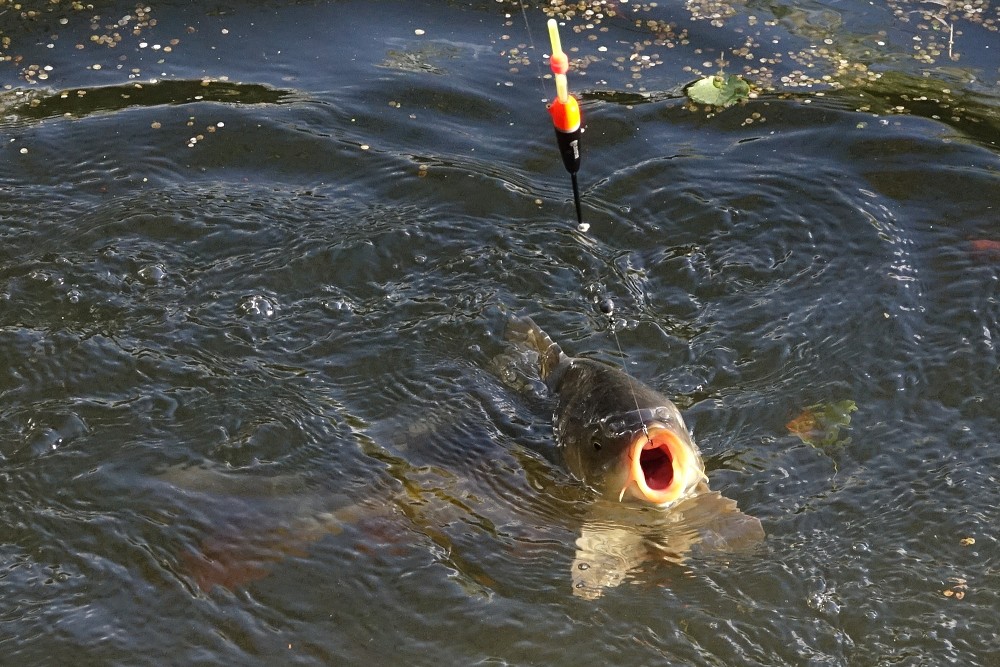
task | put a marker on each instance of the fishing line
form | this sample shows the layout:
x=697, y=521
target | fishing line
x=531, y=41
x=608, y=308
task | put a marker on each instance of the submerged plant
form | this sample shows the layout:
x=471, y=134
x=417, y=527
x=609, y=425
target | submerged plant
x=819, y=425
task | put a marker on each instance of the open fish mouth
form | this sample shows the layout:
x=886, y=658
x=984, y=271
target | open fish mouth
x=662, y=467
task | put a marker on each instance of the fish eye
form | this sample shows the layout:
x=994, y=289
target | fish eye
x=597, y=446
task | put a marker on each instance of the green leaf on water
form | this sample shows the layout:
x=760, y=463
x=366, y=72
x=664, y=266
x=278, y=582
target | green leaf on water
x=819, y=425
x=719, y=90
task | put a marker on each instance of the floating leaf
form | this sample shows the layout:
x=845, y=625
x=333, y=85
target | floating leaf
x=720, y=90
x=819, y=425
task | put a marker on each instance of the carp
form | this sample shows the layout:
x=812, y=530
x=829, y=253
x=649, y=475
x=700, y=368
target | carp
x=630, y=444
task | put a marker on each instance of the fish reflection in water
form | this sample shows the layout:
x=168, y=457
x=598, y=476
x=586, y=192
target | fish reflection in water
x=616, y=540
x=630, y=444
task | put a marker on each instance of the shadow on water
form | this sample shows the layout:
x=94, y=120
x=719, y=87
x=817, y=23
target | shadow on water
x=37, y=104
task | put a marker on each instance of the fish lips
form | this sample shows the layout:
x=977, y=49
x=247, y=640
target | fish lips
x=663, y=465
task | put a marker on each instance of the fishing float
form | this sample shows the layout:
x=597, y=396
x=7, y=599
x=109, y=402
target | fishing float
x=565, y=112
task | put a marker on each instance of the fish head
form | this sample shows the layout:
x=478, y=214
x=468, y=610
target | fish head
x=644, y=455
x=662, y=465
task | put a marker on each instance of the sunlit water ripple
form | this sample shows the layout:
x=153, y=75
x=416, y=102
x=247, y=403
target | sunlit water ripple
x=281, y=347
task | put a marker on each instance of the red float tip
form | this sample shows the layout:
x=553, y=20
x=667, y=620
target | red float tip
x=559, y=62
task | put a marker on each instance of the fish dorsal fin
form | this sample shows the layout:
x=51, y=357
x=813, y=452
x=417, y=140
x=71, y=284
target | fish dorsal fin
x=550, y=356
x=549, y=360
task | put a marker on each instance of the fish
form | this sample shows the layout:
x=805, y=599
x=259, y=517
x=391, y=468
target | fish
x=629, y=443
x=251, y=522
x=263, y=522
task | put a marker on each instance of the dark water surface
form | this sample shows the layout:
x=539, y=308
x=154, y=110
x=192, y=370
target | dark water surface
x=251, y=318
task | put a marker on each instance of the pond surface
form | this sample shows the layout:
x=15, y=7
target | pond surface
x=258, y=408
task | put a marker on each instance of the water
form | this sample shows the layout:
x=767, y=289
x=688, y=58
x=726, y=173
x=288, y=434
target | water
x=251, y=323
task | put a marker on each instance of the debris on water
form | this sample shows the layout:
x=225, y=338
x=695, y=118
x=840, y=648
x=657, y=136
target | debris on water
x=959, y=586
x=773, y=57
x=967, y=541
x=721, y=90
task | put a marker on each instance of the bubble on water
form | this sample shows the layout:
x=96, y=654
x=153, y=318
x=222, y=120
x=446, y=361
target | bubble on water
x=45, y=277
x=257, y=305
x=44, y=439
x=338, y=306
x=153, y=274
x=825, y=602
